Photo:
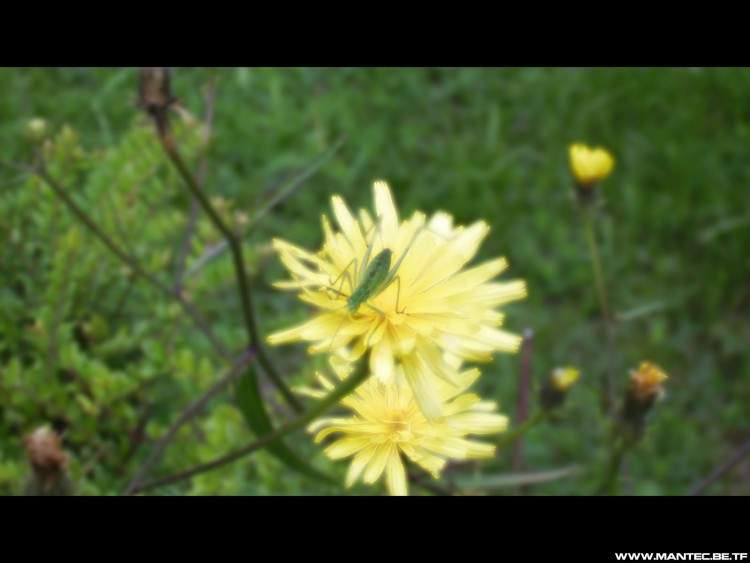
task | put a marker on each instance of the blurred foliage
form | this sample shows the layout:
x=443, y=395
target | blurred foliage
x=108, y=361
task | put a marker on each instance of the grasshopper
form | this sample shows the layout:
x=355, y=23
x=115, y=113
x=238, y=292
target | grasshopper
x=370, y=280
x=373, y=278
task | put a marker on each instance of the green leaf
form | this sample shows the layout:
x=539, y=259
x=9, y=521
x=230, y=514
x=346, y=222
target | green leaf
x=11, y=375
x=724, y=226
x=641, y=311
x=489, y=482
x=252, y=409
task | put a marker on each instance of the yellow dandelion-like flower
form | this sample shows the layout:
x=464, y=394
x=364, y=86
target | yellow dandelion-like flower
x=590, y=166
x=400, y=290
x=645, y=382
x=387, y=423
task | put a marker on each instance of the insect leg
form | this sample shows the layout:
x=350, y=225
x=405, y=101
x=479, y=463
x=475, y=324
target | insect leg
x=343, y=276
x=335, y=334
x=386, y=285
x=366, y=258
x=345, y=270
x=382, y=313
x=373, y=329
x=393, y=270
x=397, y=279
x=339, y=292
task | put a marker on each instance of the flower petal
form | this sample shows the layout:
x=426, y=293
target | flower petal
x=359, y=463
x=396, y=476
x=382, y=364
x=379, y=459
x=346, y=447
x=385, y=211
x=424, y=390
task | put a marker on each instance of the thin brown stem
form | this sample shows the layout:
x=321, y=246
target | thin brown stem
x=712, y=477
x=334, y=397
x=523, y=401
x=523, y=395
x=132, y=263
x=193, y=409
x=610, y=387
x=138, y=434
x=91, y=463
x=612, y=474
x=294, y=184
x=199, y=179
x=246, y=294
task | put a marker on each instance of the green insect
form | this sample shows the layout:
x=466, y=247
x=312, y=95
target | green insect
x=374, y=281
x=370, y=280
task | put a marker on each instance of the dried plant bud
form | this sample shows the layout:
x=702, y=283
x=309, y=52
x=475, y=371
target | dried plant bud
x=49, y=464
x=645, y=388
x=155, y=94
x=644, y=391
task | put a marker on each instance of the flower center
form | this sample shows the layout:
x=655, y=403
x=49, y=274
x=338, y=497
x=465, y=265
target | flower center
x=397, y=428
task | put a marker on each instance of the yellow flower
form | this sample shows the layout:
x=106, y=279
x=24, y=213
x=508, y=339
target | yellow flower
x=645, y=383
x=387, y=423
x=556, y=387
x=563, y=379
x=428, y=306
x=590, y=166
x=644, y=391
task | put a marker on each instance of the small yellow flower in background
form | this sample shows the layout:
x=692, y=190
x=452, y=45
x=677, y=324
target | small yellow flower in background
x=563, y=379
x=387, y=423
x=644, y=391
x=645, y=382
x=590, y=166
x=421, y=303
x=556, y=387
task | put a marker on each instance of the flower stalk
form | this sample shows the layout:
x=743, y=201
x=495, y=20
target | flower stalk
x=514, y=434
x=331, y=399
x=156, y=99
x=630, y=424
x=589, y=167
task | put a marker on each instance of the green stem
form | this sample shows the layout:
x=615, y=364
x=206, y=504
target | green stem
x=596, y=263
x=518, y=431
x=235, y=246
x=610, y=484
x=334, y=397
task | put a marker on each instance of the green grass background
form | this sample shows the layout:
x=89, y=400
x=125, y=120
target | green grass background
x=492, y=144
